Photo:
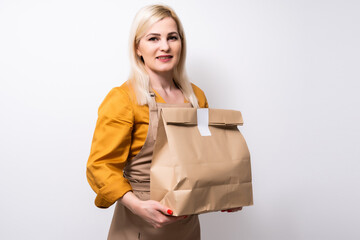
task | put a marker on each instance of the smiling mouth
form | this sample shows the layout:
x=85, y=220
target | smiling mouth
x=164, y=57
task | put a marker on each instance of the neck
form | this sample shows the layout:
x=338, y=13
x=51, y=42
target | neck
x=162, y=81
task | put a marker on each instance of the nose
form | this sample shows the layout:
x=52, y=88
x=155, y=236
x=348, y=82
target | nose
x=164, y=46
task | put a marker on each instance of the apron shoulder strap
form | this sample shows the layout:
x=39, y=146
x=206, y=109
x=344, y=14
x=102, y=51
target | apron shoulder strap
x=152, y=104
x=153, y=115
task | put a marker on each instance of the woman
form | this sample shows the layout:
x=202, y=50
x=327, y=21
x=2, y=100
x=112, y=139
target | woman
x=118, y=168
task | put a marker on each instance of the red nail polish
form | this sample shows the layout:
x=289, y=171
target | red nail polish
x=169, y=211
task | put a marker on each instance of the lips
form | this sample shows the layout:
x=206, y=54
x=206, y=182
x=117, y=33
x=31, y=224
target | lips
x=164, y=58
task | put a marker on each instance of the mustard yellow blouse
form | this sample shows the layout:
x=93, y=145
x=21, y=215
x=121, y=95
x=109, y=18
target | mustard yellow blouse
x=120, y=133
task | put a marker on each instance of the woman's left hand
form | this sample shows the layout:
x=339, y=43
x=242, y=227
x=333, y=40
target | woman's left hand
x=232, y=209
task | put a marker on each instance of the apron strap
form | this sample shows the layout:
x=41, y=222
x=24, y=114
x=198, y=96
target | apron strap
x=154, y=113
x=153, y=116
x=152, y=104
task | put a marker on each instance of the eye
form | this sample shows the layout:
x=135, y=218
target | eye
x=174, y=38
x=153, y=39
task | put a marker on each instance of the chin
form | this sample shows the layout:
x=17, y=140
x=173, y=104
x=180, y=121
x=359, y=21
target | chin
x=165, y=70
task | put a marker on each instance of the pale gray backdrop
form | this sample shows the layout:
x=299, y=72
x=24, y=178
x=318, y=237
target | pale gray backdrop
x=291, y=67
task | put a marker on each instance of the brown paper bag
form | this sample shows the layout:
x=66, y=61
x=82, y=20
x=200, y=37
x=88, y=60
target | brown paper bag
x=191, y=173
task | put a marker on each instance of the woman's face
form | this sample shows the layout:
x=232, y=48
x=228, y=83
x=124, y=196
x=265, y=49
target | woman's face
x=160, y=47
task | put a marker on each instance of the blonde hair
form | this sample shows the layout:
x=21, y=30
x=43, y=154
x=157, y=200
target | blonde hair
x=139, y=78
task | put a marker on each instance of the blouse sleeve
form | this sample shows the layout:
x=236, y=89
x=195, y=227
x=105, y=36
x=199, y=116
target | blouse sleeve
x=200, y=95
x=110, y=148
x=206, y=104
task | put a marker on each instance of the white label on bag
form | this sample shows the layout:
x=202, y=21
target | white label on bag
x=238, y=127
x=203, y=121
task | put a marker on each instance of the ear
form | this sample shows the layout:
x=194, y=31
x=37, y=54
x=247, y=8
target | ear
x=138, y=52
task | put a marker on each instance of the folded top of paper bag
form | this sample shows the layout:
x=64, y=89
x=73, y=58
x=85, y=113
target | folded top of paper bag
x=188, y=116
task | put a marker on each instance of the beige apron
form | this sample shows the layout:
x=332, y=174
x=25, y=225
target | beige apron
x=126, y=225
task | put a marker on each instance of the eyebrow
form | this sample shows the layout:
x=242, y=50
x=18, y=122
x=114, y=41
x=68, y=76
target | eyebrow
x=158, y=34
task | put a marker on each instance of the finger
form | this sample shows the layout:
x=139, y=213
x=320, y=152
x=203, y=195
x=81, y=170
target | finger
x=232, y=209
x=163, y=209
x=235, y=209
x=164, y=220
x=171, y=219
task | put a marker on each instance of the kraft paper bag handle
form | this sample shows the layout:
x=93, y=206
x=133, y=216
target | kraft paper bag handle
x=203, y=121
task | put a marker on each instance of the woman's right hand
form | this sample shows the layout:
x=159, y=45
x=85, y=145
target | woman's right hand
x=151, y=211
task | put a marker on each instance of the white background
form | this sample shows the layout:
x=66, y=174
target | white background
x=291, y=67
